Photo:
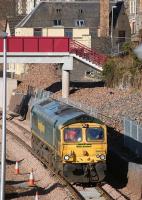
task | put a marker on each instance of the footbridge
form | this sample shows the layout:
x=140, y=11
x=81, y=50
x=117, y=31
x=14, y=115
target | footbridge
x=51, y=50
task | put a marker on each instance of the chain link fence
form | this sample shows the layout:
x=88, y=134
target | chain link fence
x=132, y=131
x=133, y=136
x=38, y=96
x=41, y=95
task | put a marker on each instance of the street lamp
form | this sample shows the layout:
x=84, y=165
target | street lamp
x=111, y=34
x=3, y=145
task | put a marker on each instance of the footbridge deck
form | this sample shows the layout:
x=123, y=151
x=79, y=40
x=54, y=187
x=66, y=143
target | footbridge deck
x=51, y=50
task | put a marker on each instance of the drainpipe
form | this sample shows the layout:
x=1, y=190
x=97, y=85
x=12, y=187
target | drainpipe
x=34, y=3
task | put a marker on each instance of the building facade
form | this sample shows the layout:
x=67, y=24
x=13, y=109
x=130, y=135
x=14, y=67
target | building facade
x=87, y=22
x=134, y=12
x=72, y=19
x=120, y=30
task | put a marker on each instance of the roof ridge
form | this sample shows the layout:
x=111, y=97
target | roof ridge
x=27, y=17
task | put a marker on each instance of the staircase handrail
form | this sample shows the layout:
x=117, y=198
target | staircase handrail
x=86, y=52
x=81, y=45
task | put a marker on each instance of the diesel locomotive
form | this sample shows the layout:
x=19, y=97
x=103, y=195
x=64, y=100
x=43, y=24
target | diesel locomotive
x=72, y=142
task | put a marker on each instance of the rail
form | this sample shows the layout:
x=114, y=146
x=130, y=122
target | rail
x=75, y=193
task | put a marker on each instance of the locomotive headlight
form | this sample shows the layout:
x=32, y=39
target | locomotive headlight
x=66, y=157
x=98, y=156
x=102, y=157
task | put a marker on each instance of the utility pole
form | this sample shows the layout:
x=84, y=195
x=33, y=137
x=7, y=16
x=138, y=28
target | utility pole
x=3, y=145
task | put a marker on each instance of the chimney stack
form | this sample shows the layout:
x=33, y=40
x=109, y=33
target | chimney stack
x=104, y=18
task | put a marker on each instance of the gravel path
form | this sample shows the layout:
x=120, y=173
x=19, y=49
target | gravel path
x=47, y=186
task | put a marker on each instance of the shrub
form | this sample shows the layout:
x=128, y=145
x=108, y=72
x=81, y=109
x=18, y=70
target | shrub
x=124, y=71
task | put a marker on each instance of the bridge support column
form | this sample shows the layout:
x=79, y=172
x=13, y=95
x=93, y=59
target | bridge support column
x=65, y=83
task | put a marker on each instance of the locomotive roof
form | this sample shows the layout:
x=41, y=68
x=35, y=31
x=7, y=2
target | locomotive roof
x=60, y=114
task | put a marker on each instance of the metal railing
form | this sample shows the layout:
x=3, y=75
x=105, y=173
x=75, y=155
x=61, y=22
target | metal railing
x=133, y=136
x=86, y=52
x=87, y=109
x=41, y=95
x=132, y=130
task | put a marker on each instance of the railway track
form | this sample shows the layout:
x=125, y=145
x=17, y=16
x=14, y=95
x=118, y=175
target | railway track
x=76, y=192
x=74, y=195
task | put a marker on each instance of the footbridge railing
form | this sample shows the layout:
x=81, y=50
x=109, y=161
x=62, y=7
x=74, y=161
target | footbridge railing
x=86, y=52
x=52, y=44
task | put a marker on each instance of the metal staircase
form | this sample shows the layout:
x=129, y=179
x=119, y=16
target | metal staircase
x=86, y=55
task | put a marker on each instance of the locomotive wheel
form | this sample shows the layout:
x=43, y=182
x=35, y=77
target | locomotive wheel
x=54, y=163
x=39, y=148
x=33, y=143
x=50, y=159
x=42, y=150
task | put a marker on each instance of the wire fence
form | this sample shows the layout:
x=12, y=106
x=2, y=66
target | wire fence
x=133, y=136
x=132, y=131
x=41, y=95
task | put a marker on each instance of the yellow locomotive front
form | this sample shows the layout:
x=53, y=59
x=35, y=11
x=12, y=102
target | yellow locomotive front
x=71, y=141
x=84, y=149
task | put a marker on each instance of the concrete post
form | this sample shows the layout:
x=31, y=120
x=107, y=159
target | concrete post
x=65, y=83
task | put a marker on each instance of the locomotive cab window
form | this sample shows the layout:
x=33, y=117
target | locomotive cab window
x=72, y=135
x=93, y=134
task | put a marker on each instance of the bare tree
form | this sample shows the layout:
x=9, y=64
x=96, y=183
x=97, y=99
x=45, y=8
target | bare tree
x=7, y=8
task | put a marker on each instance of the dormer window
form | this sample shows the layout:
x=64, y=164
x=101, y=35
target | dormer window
x=121, y=36
x=57, y=22
x=80, y=11
x=79, y=23
x=37, y=31
x=58, y=10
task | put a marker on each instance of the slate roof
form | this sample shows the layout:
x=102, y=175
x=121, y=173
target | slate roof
x=116, y=12
x=46, y=12
x=13, y=21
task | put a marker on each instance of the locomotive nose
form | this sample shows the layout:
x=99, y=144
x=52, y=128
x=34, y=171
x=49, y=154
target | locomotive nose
x=85, y=153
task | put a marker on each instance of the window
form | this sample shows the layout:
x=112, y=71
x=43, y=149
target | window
x=93, y=134
x=58, y=10
x=68, y=33
x=80, y=11
x=133, y=27
x=72, y=135
x=79, y=23
x=132, y=6
x=37, y=31
x=57, y=22
x=121, y=35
